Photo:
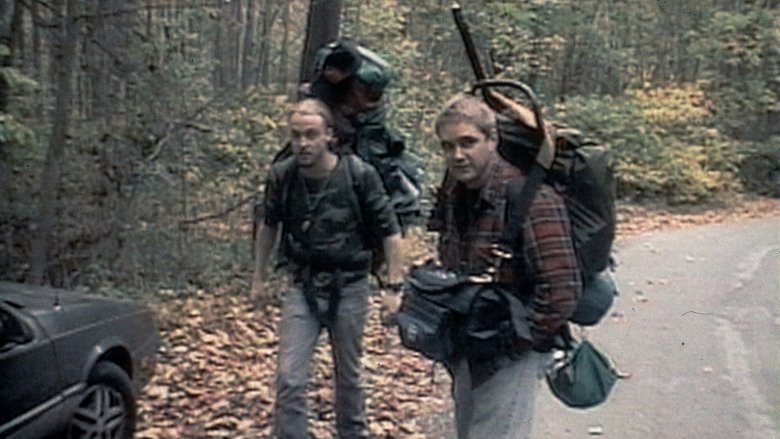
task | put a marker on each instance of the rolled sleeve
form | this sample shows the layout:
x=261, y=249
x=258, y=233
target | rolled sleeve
x=377, y=205
x=272, y=201
x=550, y=253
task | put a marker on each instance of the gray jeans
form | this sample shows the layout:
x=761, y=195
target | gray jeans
x=299, y=330
x=502, y=407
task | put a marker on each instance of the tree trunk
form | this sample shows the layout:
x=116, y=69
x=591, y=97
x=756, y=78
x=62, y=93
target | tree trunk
x=18, y=52
x=222, y=46
x=269, y=16
x=6, y=39
x=322, y=26
x=6, y=12
x=37, y=54
x=249, y=35
x=217, y=74
x=64, y=62
x=235, y=45
x=284, y=58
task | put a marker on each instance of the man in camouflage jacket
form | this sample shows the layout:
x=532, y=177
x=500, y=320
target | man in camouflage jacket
x=329, y=209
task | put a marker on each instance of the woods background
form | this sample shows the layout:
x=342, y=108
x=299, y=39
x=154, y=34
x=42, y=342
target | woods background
x=135, y=134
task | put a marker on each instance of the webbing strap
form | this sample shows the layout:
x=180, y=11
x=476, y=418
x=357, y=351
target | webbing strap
x=520, y=195
x=352, y=193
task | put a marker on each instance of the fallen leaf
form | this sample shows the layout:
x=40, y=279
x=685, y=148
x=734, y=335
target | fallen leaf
x=595, y=430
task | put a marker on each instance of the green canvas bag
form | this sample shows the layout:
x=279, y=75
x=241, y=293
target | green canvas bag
x=583, y=378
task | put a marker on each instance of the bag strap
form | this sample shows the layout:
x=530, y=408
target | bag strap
x=519, y=197
x=354, y=190
x=287, y=178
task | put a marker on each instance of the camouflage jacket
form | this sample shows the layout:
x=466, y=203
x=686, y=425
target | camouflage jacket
x=332, y=223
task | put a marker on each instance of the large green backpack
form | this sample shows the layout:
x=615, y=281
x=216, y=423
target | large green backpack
x=366, y=133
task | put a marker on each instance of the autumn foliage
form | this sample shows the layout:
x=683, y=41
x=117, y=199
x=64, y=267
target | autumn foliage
x=215, y=376
x=216, y=367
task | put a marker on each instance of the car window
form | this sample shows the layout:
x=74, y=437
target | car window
x=12, y=331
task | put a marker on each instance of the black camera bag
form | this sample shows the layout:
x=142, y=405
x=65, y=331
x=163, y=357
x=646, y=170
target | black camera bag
x=444, y=314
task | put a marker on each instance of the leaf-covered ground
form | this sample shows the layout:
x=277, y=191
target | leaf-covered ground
x=216, y=365
x=216, y=375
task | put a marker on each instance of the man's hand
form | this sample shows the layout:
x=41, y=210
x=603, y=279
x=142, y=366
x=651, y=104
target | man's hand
x=391, y=302
x=266, y=241
x=257, y=290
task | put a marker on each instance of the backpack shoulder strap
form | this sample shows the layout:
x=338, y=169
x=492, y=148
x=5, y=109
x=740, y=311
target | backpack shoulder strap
x=355, y=189
x=288, y=173
x=520, y=195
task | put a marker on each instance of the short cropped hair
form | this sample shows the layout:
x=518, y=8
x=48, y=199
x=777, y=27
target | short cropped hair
x=312, y=107
x=464, y=108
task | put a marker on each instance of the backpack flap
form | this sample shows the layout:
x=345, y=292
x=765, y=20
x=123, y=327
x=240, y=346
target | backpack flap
x=583, y=174
x=441, y=286
x=424, y=326
x=429, y=279
x=434, y=301
x=516, y=142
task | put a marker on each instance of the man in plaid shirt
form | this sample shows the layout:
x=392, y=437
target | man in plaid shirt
x=495, y=397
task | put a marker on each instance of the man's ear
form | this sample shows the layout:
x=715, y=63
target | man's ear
x=493, y=139
x=330, y=134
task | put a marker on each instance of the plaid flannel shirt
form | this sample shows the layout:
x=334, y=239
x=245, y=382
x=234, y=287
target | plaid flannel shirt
x=547, y=276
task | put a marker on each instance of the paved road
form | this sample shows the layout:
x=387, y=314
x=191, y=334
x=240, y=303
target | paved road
x=698, y=329
x=699, y=336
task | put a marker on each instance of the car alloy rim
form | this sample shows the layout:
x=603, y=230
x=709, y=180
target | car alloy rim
x=101, y=414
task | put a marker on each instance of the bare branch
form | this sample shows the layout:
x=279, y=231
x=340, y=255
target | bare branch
x=217, y=215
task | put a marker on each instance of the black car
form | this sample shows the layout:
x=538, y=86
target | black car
x=71, y=365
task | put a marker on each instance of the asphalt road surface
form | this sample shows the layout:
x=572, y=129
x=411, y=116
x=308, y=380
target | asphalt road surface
x=697, y=327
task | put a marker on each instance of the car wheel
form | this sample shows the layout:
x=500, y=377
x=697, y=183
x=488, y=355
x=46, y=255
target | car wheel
x=107, y=410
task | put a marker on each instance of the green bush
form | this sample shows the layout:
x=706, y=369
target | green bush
x=759, y=168
x=664, y=143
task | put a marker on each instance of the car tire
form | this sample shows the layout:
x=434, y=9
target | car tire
x=108, y=407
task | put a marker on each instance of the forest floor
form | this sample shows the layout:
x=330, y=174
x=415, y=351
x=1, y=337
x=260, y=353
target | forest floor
x=216, y=364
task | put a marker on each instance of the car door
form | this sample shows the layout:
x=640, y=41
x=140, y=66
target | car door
x=29, y=376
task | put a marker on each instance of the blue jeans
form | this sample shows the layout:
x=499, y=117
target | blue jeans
x=299, y=330
x=502, y=406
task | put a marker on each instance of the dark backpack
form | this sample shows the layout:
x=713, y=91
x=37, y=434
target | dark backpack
x=581, y=170
x=385, y=150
